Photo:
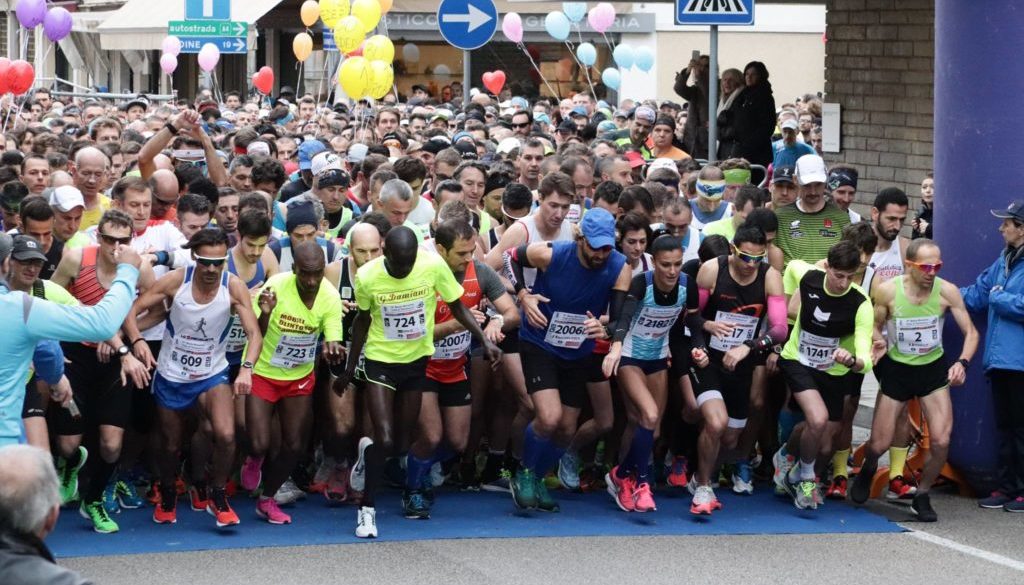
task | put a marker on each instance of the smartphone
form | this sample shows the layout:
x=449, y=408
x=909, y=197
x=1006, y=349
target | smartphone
x=695, y=55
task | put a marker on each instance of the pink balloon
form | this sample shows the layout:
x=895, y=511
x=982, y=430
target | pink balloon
x=601, y=17
x=512, y=26
x=168, y=63
x=171, y=45
x=209, y=56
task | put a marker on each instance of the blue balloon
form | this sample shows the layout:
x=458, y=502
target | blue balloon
x=623, y=55
x=643, y=58
x=557, y=25
x=575, y=11
x=587, y=54
x=611, y=78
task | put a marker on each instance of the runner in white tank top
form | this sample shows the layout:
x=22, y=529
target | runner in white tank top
x=884, y=266
x=193, y=347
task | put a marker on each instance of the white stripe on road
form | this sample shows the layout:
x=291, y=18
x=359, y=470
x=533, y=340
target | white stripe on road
x=969, y=550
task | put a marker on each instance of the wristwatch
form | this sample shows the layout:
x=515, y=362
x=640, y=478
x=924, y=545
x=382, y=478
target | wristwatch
x=963, y=362
x=247, y=365
x=122, y=351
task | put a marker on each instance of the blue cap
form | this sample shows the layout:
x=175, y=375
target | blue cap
x=307, y=150
x=542, y=118
x=521, y=103
x=598, y=227
x=579, y=111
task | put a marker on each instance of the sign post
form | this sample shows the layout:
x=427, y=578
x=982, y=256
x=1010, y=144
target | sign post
x=467, y=25
x=209, y=21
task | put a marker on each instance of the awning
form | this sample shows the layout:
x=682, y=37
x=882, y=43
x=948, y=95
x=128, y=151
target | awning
x=142, y=24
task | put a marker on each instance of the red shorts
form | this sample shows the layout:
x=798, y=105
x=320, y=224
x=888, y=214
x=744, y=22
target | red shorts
x=274, y=390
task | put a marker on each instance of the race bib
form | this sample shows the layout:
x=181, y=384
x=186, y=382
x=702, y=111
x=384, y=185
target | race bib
x=744, y=327
x=236, y=336
x=574, y=214
x=452, y=346
x=654, y=322
x=566, y=330
x=918, y=335
x=294, y=350
x=816, y=352
x=404, y=322
x=193, y=358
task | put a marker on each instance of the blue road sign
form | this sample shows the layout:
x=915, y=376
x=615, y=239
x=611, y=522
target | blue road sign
x=719, y=12
x=207, y=9
x=467, y=24
x=227, y=45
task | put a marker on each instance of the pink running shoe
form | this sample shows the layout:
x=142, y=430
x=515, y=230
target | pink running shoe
x=643, y=500
x=267, y=509
x=252, y=473
x=621, y=490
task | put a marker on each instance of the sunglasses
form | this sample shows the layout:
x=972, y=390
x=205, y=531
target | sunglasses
x=927, y=268
x=204, y=261
x=113, y=241
x=751, y=258
x=521, y=125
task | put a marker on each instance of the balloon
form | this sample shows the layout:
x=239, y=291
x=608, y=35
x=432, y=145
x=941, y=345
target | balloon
x=302, y=46
x=643, y=58
x=385, y=7
x=611, y=78
x=168, y=63
x=31, y=13
x=411, y=53
x=512, y=26
x=442, y=69
x=348, y=34
x=587, y=54
x=171, y=45
x=331, y=11
x=382, y=79
x=309, y=12
x=557, y=25
x=5, y=67
x=623, y=56
x=368, y=13
x=574, y=11
x=263, y=80
x=57, y=24
x=379, y=48
x=209, y=56
x=601, y=17
x=354, y=76
x=494, y=81
x=20, y=77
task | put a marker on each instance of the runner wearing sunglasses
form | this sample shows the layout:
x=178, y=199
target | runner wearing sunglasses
x=911, y=364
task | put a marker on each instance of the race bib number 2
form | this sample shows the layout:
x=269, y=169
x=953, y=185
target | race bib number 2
x=566, y=330
x=918, y=335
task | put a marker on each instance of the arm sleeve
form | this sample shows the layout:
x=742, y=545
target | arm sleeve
x=703, y=295
x=637, y=289
x=46, y=320
x=515, y=260
x=694, y=321
x=48, y=360
x=1007, y=304
x=865, y=325
x=777, y=319
x=976, y=296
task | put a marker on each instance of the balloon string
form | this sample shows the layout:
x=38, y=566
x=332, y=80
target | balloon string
x=394, y=81
x=608, y=42
x=586, y=70
x=534, y=63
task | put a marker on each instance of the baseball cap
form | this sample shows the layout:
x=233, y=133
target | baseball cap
x=323, y=162
x=1013, y=211
x=783, y=174
x=26, y=249
x=620, y=114
x=356, y=153
x=645, y=113
x=307, y=150
x=567, y=126
x=6, y=244
x=520, y=102
x=607, y=126
x=578, y=111
x=790, y=124
x=810, y=168
x=663, y=163
x=508, y=145
x=542, y=118
x=66, y=198
x=598, y=227
x=258, y=148
x=635, y=159
x=434, y=146
x=467, y=150
x=140, y=100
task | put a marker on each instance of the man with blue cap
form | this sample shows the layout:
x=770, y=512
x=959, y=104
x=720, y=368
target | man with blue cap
x=577, y=282
x=304, y=182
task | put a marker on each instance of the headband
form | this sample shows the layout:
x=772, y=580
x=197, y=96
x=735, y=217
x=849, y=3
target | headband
x=710, y=189
x=737, y=176
x=842, y=178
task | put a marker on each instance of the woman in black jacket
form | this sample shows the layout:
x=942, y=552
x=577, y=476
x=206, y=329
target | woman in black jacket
x=750, y=121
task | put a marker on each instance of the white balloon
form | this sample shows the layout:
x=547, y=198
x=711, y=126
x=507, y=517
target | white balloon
x=442, y=69
x=411, y=53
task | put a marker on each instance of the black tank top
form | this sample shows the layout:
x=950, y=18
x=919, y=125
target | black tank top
x=731, y=297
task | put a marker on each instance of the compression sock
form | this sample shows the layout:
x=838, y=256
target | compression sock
x=839, y=459
x=415, y=470
x=552, y=454
x=442, y=453
x=100, y=474
x=533, y=449
x=374, y=457
x=897, y=461
x=639, y=455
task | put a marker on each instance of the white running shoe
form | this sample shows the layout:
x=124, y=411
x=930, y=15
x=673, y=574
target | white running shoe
x=288, y=493
x=782, y=466
x=569, y=471
x=358, y=477
x=366, y=519
x=741, y=486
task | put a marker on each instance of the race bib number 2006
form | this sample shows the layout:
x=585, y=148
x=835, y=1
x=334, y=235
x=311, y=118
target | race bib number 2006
x=566, y=330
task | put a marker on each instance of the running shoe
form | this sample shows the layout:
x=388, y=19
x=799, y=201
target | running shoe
x=900, y=489
x=782, y=464
x=366, y=522
x=252, y=473
x=704, y=501
x=545, y=502
x=110, y=499
x=837, y=489
x=69, y=477
x=621, y=490
x=805, y=494
x=922, y=507
x=288, y=493
x=323, y=472
x=199, y=497
x=643, y=499
x=677, y=475
x=101, y=521
x=499, y=484
x=691, y=486
x=268, y=509
x=569, y=471
x=1014, y=505
x=220, y=508
x=357, y=479
x=428, y=490
x=994, y=501
x=437, y=476
x=524, y=489
x=742, y=478
x=127, y=495
x=337, y=485
x=860, y=489
x=165, y=513
x=414, y=505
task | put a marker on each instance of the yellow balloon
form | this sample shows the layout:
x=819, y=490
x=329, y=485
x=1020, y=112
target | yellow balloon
x=354, y=77
x=309, y=12
x=348, y=34
x=302, y=46
x=368, y=12
x=382, y=79
x=379, y=48
x=385, y=6
x=331, y=11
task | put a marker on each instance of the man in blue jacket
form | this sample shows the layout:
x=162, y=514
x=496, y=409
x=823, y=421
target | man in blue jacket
x=999, y=290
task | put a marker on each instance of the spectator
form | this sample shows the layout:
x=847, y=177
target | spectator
x=923, y=220
x=692, y=85
x=751, y=118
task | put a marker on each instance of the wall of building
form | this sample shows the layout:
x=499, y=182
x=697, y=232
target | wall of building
x=879, y=62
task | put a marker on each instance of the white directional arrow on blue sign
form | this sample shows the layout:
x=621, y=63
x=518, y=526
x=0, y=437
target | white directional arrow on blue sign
x=467, y=24
x=474, y=19
x=227, y=45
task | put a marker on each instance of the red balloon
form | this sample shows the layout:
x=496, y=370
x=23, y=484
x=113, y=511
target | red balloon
x=5, y=68
x=494, y=81
x=20, y=77
x=358, y=51
x=264, y=80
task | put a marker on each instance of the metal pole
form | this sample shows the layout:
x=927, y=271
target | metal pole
x=466, y=74
x=713, y=97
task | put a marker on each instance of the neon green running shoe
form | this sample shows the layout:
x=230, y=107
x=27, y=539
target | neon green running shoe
x=101, y=521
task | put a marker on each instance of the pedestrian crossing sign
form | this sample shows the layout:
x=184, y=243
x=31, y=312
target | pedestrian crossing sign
x=715, y=12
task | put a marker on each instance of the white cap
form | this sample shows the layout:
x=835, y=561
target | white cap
x=663, y=163
x=258, y=148
x=790, y=124
x=508, y=145
x=325, y=161
x=810, y=168
x=66, y=198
